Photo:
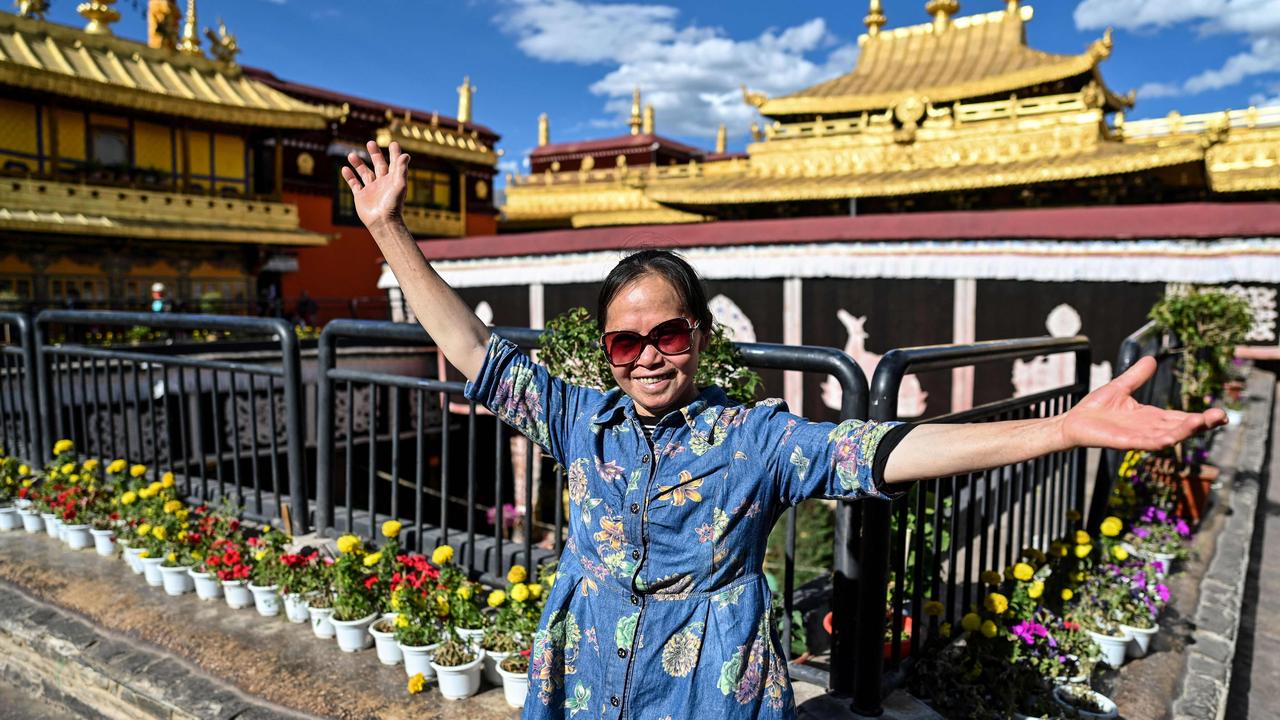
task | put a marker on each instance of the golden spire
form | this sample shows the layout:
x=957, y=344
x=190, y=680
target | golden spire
x=1011, y=7
x=190, y=43
x=722, y=137
x=635, y=122
x=942, y=10
x=100, y=15
x=875, y=18
x=647, y=126
x=755, y=131
x=544, y=130
x=465, y=91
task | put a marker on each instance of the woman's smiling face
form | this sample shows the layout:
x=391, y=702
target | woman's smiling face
x=657, y=383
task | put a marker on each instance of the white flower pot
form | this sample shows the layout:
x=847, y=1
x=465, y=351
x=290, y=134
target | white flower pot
x=295, y=607
x=133, y=557
x=1109, y=708
x=31, y=521
x=208, y=587
x=52, y=525
x=463, y=681
x=417, y=659
x=321, y=622
x=9, y=518
x=265, y=599
x=1113, y=647
x=491, y=661
x=104, y=542
x=236, y=594
x=177, y=580
x=77, y=537
x=471, y=637
x=151, y=570
x=515, y=686
x=353, y=635
x=1140, y=639
x=385, y=643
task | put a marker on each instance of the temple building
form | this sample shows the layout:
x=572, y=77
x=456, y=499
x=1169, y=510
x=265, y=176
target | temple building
x=124, y=164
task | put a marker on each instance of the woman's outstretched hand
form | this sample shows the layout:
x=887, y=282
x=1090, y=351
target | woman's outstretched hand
x=379, y=193
x=1109, y=417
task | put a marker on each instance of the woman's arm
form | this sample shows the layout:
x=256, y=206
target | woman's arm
x=1108, y=417
x=379, y=197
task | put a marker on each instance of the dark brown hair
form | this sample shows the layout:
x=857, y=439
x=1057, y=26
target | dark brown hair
x=671, y=267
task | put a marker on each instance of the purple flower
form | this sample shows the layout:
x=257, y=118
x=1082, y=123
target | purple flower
x=1183, y=529
x=1162, y=592
x=1158, y=565
x=1140, y=579
x=1141, y=533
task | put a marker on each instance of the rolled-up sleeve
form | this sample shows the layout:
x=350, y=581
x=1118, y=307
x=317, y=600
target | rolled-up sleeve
x=524, y=395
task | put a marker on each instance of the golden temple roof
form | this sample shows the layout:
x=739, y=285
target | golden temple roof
x=975, y=56
x=45, y=57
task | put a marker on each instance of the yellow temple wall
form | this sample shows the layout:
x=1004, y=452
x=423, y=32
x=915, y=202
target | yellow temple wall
x=153, y=148
x=18, y=133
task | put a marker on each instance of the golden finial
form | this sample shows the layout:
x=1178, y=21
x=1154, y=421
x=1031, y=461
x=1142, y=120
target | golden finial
x=99, y=13
x=162, y=24
x=544, y=130
x=465, y=91
x=755, y=131
x=942, y=10
x=647, y=125
x=190, y=44
x=222, y=45
x=32, y=8
x=1011, y=7
x=1101, y=49
x=635, y=122
x=722, y=138
x=875, y=18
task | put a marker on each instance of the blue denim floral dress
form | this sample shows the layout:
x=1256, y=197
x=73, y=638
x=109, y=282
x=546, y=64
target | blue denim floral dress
x=660, y=609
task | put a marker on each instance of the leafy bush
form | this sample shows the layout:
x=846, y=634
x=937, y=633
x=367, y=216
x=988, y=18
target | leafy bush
x=1208, y=323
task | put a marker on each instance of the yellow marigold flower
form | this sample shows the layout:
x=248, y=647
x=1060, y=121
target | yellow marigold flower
x=144, y=529
x=1119, y=553
x=197, y=555
x=991, y=577
x=172, y=557
x=75, y=477
x=117, y=466
x=1078, y=577
x=465, y=592
x=172, y=507
x=372, y=559
x=24, y=470
x=182, y=514
x=67, y=468
x=1083, y=538
x=144, y=554
x=442, y=555
x=158, y=532
x=129, y=498
x=496, y=598
x=348, y=543
x=391, y=528
x=1082, y=551
x=155, y=487
x=535, y=590
x=137, y=471
x=1036, y=590
x=166, y=481
x=519, y=592
x=989, y=629
x=1023, y=572
x=1074, y=515
x=259, y=555
x=971, y=622
x=442, y=606
x=63, y=446
x=402, y=621
x=416, y=684
x=933, y=608
x=1067, y=594
x=1112, y=526
x=944, y=630
x=90, y=465
x=28, y=482
x=395, y=599
x=517, y=574
x=997, y=603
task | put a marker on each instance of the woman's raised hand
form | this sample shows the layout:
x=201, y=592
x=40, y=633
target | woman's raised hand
x=379, y=193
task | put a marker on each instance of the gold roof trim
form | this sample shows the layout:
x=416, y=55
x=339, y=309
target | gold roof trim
x=59, y=60
x=977, y=56
x=664, y=216
x=431, y=139
x=433, y=223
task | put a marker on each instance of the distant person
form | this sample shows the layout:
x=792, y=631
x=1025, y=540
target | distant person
x=160, y=298
x=306, y=310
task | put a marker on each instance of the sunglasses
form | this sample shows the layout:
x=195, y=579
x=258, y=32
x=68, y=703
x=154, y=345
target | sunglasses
x=673, y=337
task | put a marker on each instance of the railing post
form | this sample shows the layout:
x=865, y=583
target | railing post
x=30, y=385
x=291, y=363
x=43, y=395
x=325, y=429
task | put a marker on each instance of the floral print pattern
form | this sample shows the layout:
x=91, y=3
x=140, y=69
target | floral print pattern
x=666, y=540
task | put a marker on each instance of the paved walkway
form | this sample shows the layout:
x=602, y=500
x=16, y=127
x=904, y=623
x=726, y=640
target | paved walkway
x=23, y=704
x=1255, y=693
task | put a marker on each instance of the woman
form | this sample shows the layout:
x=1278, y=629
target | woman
x=660, y=608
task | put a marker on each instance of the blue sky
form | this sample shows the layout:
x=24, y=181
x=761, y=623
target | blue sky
x=578, y=59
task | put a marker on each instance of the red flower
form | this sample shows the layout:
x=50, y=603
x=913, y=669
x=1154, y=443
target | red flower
x=370, y=582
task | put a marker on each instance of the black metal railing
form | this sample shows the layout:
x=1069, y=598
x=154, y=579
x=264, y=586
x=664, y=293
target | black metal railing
x=20, y=428
x=942, y=534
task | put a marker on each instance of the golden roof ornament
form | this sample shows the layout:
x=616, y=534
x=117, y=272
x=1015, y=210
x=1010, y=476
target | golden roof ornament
x=722, y=138
x=32, y=8
x=756, y=136
x=647, y=126
x=222, y=45
x=190, y=43
x=100, y=15
x=875, y=18
x=635, y=122
x=1011, y=7
x=163, y=17
x=1101, y=49
x=544, y=130
x=465, y=91
x=754, y=99
x=942, y=10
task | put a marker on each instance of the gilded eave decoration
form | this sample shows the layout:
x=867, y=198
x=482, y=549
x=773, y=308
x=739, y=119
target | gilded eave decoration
x=430, y=138
x=65, y=62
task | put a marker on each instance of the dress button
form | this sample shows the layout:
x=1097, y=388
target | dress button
x=644, y=460
x=635, y=554
x=614, y=701
x=635, y=600
x=622, y=653
x=635, y=507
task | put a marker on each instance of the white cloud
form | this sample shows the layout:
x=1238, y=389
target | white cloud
x=1259, y=20
x=690, y=73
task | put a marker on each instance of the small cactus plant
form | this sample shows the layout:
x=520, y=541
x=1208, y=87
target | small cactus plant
x=516, y=663
x=453, y=654
x=499, y=641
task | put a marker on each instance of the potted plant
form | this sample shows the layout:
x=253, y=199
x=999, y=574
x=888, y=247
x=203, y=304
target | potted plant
x=514, y=670
x=230, y=560
x=1208, y=323
x=389, y=574
x=299, y=578
x=1081, y=702
x=498, y=644
x=264, y=578
x=457, y=667
x=12, y=475
x=422, y=612
x=354, y=607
